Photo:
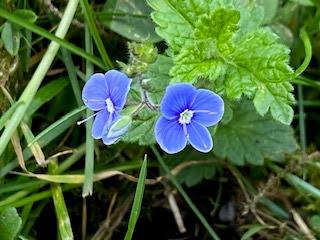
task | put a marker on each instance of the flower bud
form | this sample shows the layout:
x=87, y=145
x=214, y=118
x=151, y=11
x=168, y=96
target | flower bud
x=117, y=129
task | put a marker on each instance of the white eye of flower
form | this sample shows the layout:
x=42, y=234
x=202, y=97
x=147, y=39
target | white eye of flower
x=186, y=116
x=110, y=106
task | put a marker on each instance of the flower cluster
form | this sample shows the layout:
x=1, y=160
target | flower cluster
x=186, y=112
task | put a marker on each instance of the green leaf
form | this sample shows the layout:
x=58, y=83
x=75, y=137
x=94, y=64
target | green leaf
x=206, y=58
x=250, y=138
x=159, y=79
x=195, y=61
x=10, y=223
x=10, y=36
x=129, y=19
x=26, y=14
x=260, y=67
x=141, y=130
x=225, y=45
x=173, y=24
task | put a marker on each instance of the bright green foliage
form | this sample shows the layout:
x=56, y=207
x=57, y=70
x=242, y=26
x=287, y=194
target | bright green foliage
x=10, y=223
x=206, y=57
x=174, y=26
x=251, y=138
x=222, y=42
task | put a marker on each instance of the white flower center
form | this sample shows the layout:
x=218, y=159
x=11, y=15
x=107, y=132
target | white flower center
x=186, y=116
x=110, y=106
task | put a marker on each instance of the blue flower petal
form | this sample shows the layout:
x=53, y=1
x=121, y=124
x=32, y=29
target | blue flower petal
x=112, y=136
x=99, y=123
x=102, y=122
x=177, y=98
x=170, y=135
x=208, y=108
x=95, y=92
x=199, y=137
x=118, y=85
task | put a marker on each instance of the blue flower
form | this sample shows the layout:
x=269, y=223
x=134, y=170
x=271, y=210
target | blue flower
x=186, y=114
x=106, y=94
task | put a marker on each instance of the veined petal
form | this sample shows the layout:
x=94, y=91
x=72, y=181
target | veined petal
x=116, y=131
x=208, y=108
x=110, y=140
x=178, y=97
x=170, y=135
x=199, y=137
x=118, y=85
x=99, y=123
x=95, y=92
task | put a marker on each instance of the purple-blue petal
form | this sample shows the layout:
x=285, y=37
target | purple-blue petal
x=110, y=137
x=199, y=137
x=102, y=122
x=95, y=92
x=99, y=123
x=178, y=97
x=118, y=85
x=110, y=140
x=208, y=108
x=170, y=135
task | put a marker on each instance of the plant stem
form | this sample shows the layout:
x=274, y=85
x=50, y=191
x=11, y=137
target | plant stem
x=308, y=50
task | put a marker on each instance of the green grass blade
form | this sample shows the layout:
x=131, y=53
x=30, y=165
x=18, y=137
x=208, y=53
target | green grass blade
x=45, y=94
x=76, y=155
x=39, y=74
x=57, y=39
x=89, y=159
x=136, y=207
x=69, y=117
x=7, y=115
x=64, y=224
x=185, y=195
x=71, y=69
x=94, y=32
x=34, y=146
x=252, y=231
x=35, y=197
x=298, y=183
x=45, y=137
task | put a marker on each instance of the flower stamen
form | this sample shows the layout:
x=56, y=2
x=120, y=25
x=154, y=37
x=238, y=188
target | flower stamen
x=186, y=116
x=86, y=119
x=110, y=106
